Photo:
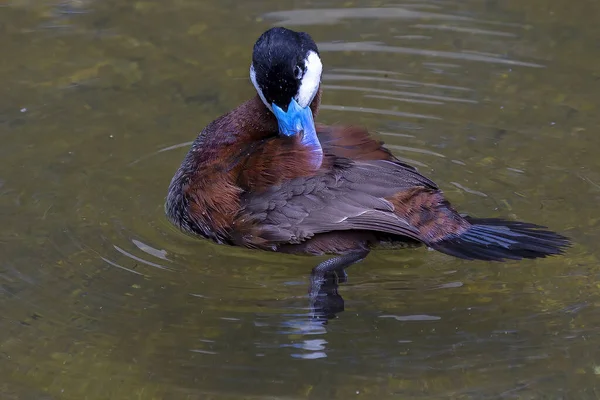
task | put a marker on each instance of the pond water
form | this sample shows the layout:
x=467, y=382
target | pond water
x=100, y=297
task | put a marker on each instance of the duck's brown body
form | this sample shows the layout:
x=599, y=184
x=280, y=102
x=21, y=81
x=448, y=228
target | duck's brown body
x=264, y=176
x=244, y=184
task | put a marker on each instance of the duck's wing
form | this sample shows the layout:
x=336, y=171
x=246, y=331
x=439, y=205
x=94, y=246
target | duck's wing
x=352, y=195
x=355, y=143
x=275, y=159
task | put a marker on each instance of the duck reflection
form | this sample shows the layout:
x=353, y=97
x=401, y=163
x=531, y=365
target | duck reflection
x=325, y=300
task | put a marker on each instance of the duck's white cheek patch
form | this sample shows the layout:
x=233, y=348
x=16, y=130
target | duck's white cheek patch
x=258, y=89
x=311, y=79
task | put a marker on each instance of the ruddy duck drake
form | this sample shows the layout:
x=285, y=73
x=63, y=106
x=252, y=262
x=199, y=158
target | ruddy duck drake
x=266, y=176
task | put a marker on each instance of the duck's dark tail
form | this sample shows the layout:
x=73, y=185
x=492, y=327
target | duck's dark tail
x=497, y=239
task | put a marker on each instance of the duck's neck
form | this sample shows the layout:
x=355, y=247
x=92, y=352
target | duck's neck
x=310, y=141
x=251, y=122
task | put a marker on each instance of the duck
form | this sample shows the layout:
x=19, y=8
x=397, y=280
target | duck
x=266, y=176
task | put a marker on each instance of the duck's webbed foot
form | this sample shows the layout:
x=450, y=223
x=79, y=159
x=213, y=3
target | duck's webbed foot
x=325, y=302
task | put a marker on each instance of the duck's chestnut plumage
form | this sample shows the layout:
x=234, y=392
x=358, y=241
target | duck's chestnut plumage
x=255, y=177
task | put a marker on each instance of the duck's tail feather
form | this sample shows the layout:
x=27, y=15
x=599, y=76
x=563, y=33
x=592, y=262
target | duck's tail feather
x=494, y=239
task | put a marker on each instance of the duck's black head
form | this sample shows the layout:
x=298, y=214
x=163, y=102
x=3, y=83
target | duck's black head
x=286, y=72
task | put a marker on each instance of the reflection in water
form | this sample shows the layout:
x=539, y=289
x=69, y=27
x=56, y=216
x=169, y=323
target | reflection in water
x=325, y=301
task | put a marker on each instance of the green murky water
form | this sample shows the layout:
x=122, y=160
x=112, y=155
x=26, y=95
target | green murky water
x=100, y=298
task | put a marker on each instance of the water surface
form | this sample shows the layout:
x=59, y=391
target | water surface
x=102, y=298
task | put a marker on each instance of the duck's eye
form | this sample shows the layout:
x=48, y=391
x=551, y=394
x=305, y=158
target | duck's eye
x=298, y=72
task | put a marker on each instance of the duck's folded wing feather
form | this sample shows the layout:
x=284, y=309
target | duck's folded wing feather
x=352, y=142
x=352, y=195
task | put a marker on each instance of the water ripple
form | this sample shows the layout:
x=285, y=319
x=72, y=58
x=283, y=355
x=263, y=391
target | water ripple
x=421, y=317
x=466, y=189
x=114, y=264
x=150, y=263
x=415, y=150
x=376, y=111
x=162, y=254
x=168, y=148
x=380, y=47
x=399, y=93
x=461, y=29
x=343, y=77
x=335, y=15
x=414, y=101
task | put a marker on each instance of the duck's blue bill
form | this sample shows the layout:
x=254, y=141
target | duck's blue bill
x=296, y=120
